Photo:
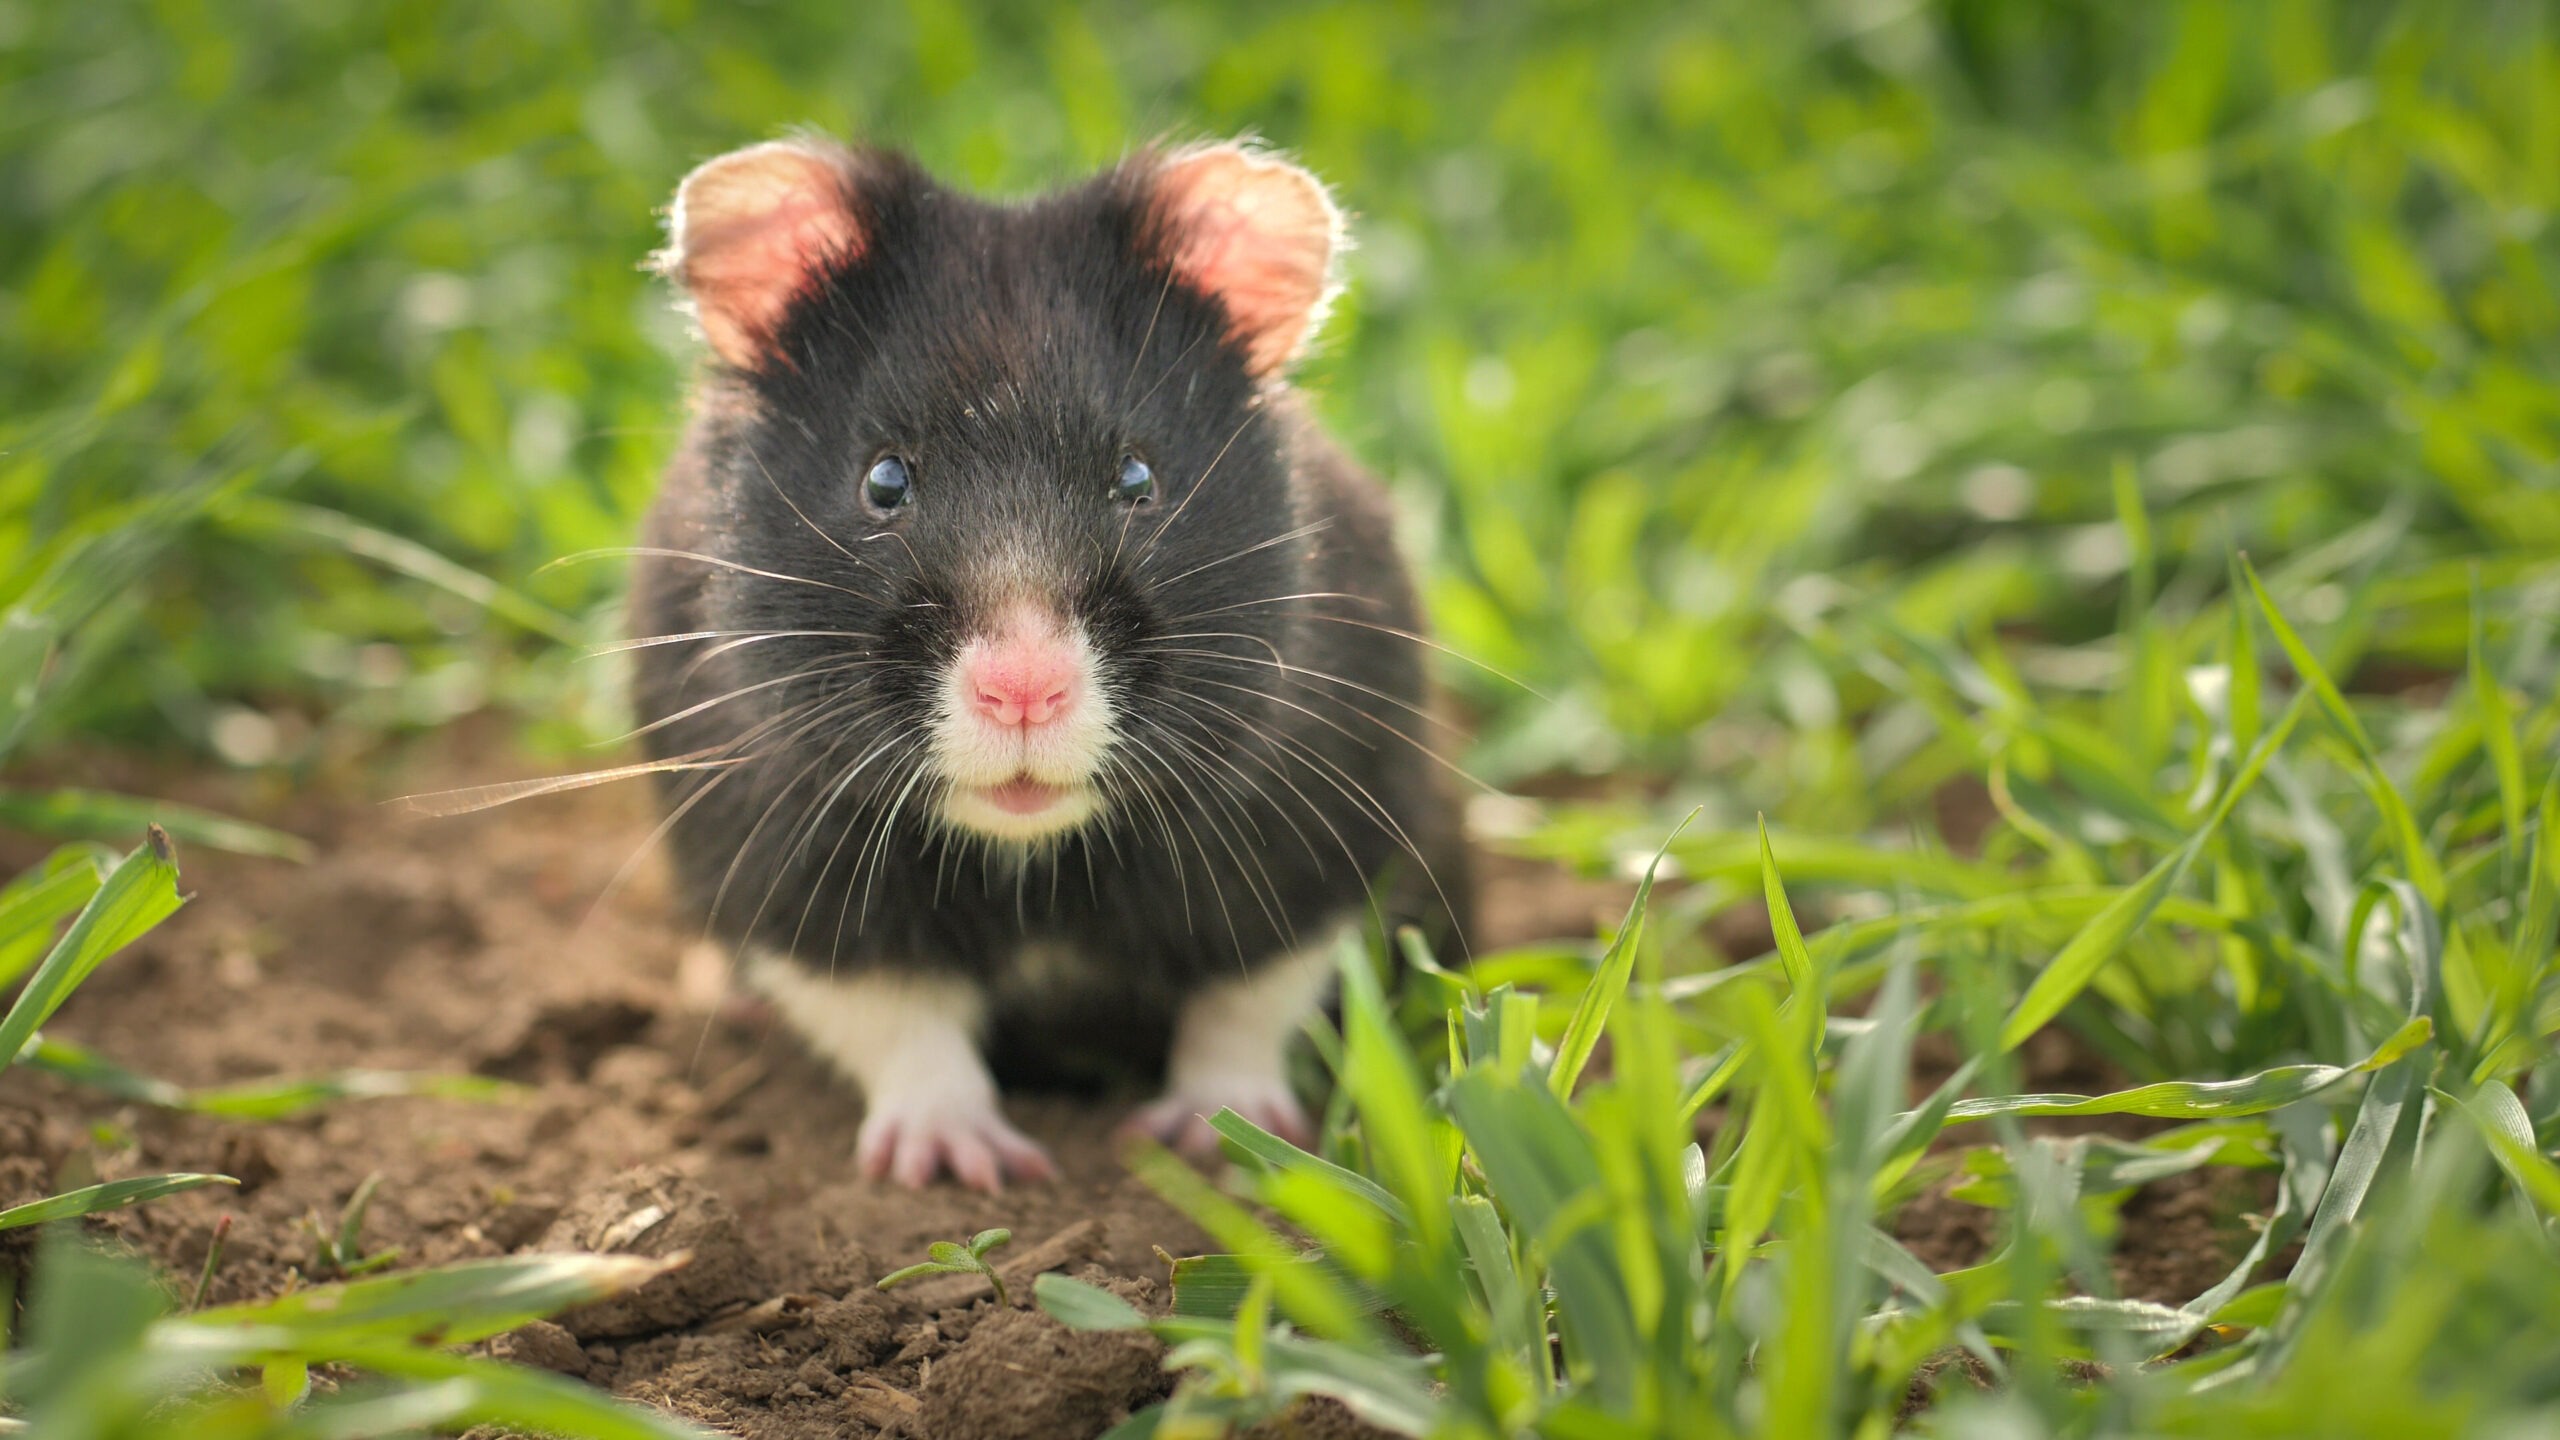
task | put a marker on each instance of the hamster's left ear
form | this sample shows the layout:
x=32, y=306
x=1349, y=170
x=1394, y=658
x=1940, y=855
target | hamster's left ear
x=749, y=234
x=1255, y=233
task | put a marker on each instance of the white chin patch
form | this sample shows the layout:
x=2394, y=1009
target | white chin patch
x=1023, y=784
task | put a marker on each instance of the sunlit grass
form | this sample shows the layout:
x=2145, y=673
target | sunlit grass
x=1676, y=327
x=2086, y=475
x=1566, y=1257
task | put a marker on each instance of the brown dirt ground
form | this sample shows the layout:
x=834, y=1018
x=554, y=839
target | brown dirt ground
x=513, y=943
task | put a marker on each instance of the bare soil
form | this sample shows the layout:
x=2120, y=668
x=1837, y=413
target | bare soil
x=536, y=943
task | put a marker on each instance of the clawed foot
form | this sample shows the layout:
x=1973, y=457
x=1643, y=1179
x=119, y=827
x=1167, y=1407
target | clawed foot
x=1181, y=1119
x=913, y=1140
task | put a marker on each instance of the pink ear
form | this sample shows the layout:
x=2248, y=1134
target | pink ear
x=748, y=233
x=1256, y=233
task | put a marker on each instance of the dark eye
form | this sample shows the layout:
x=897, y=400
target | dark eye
x=888, y=486
x=1137, y=483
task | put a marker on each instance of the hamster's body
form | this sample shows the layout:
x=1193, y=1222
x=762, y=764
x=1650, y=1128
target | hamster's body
x=1053, y=680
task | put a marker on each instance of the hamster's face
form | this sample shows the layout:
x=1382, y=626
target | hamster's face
x=1006, y=531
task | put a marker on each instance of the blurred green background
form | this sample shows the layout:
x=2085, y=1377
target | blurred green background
x=1848, y=411
x=1698, y=339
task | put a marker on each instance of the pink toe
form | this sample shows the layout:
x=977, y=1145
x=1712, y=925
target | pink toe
x=1024, y=1160
x=873, y=1152
x=919, y=1159
x=974, y=1165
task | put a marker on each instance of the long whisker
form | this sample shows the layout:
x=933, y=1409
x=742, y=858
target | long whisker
x=1434, y=756
x=1226, y=914
x=883, y=831
x=1145, y=340
x=1191, y=615
x=1127, y=756
x=1300, y=532
x=1203, y=482
x=617, y=647
x=675, y=815
x=1235, y=799
x=1286, y=668
x=1332, y=774
x=1172, y=368
x=443, y=804
x=786, y=499
x=835, y=667
x=662, y=553
x=1428, y=643
x=693, y=667
x=806, y=829
x=737, y=857
x=1397, y=631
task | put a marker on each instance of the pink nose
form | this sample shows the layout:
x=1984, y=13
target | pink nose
x=1021, y=681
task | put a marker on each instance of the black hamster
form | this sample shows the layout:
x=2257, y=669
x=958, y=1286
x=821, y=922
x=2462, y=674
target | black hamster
x=1037, y=676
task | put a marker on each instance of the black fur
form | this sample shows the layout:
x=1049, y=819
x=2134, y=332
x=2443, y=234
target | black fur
x=1014, y=353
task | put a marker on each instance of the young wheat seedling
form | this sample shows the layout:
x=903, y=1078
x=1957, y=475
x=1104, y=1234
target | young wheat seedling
x=953, y=1259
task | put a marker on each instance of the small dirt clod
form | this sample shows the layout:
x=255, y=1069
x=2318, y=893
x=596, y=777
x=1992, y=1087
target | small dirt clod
x=1023, y=1376
x=542, y=1345
x=654, y=1211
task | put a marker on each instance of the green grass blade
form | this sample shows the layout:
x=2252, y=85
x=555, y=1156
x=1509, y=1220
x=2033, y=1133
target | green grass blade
x=2500, y=1118
x=1383, y=1387
x=277, y=1099
x=1213, y=1287
x=1519, y=1325
x=1591, y=1013
x=2071, y=970
x=1908, y=1137
x=141, y=892
x=2295, y=1195
x=2243, y=703
x=1307, y=1295
x=2382, y=1141
x=114, y=1195
x=1403, y=1133
x=274, y=1099
x=1829, y=860
x=40, y=899
x=1719, y=1075
x=26, y=640
x=1254, y=1146
x=2205, y=1099
x=454, y=1304
x=85, y=576
x=478, y=1391
x=99, y=815
x=2540, y=910
x=409, y=558
x=1540, y=1167
x=1792, y=954
x=2416, y=860
x=2497, y=732
x=1080, y=1306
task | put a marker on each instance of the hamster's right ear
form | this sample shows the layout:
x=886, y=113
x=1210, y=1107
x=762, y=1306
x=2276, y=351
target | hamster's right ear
x=750, y=232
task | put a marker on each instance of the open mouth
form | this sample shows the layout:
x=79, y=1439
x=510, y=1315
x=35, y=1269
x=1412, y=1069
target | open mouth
x=1022, y=808
x=1023, y=795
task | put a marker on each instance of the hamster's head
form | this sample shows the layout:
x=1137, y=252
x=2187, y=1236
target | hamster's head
x=1004, y=532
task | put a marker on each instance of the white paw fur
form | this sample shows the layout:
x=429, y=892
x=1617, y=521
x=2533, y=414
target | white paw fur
x=1230, y=1051
x=908, y=1043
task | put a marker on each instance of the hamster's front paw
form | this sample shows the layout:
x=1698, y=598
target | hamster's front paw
x=1181, y=1118
x=914, y=1138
